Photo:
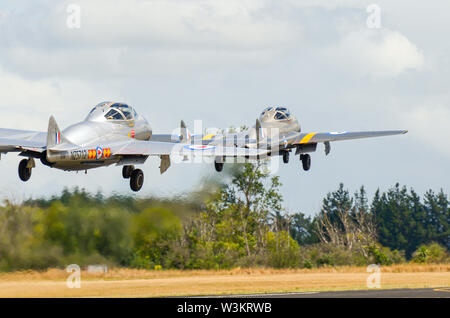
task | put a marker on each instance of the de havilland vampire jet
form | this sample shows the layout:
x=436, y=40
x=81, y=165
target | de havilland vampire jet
x=112, y=133
x=279, y=132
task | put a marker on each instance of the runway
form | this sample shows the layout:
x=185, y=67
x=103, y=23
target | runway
x=443, y=292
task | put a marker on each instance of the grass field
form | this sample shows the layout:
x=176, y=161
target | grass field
x=122, y=282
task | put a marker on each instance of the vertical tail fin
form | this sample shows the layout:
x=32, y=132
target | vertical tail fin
x=54, y=136
x=185, y=136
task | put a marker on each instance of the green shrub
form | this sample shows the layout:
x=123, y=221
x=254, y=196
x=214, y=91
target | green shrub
x=321, y=254
x=153, y=231
x=307, y=264
x=431, y=253
x=283, y=250
x=384, y=256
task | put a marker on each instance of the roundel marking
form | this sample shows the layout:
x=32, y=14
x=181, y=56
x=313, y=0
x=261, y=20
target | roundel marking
x=199, y=147
x=99, y=153
x=337, y=132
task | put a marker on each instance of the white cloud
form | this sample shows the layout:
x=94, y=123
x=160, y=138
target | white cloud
x=377, y=53
x=429, y=124
x=237, y=24
x=328, y=4
x=192, y=24
x=30, y=102
x=138, y=38
x=106, y=63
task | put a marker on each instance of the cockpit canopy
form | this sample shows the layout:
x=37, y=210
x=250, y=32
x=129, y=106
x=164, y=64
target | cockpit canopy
x=275, y=113
x=112, y=111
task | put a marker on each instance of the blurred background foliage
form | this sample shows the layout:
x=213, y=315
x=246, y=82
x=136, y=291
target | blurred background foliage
x=237, y=220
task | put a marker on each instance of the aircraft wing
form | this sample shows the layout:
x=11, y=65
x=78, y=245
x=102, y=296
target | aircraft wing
x=18, y=140
x=309, y=138
x=156, y=148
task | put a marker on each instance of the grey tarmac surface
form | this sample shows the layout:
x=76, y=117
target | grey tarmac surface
x=443, y=292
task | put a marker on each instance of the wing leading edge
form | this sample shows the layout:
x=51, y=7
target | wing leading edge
x=308, y=138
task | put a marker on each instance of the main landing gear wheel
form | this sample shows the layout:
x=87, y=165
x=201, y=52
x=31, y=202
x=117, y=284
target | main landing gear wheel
x=285, y=157
x=306, y=161
x=24, y=171
x=126, y=171
x=218, y=166
x=218, y=163
x=136, y=180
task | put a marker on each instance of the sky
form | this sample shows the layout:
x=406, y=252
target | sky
x=337, y=65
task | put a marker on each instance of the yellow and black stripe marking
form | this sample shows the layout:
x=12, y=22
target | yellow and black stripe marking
x=207, y=137
x=307, y=138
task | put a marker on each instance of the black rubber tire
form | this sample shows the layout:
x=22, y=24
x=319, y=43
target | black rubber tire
x=306, y=161
x=285, y=157
x=218, y=166
x=136, y=180
x=24, y=172
x=126, y=171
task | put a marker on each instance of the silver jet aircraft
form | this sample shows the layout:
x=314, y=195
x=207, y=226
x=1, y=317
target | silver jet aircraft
x=112, y=133
x=279, y=132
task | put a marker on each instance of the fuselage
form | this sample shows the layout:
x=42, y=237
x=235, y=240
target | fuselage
x=276, y=123
x=84, y=143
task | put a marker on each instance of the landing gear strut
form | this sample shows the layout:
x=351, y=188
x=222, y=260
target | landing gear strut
x=25, y=167
x=136, y=180
x=306, y=161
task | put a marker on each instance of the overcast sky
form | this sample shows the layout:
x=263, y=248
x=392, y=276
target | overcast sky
x=223, y=61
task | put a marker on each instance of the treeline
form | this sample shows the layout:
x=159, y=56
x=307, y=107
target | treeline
x=239, y=222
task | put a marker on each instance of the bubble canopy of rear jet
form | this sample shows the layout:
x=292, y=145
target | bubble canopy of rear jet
x=275, y=113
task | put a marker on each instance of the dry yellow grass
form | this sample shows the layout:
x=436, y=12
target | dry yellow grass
x=122, y=282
